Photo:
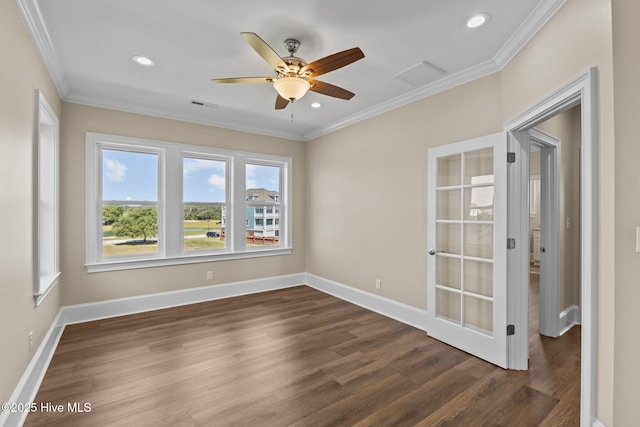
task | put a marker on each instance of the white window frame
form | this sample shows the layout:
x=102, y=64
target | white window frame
x=170, y=204
x=224, y=205
x=97, y=215
x=282, y=203
x=46, y=219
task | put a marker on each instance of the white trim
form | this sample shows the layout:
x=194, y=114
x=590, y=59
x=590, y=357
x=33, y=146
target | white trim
x=550, y=154
x=34, y=22
x=581, y=90
x=568, y=319
x=124, y=306
x=46, y=226
x=187, y=259
x=597, y=423
x=170, y=203
x=537, y=19
x=27, y=388
x=395, y=310
x=202, y=118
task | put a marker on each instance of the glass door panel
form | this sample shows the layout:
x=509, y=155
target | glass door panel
x=466, y=182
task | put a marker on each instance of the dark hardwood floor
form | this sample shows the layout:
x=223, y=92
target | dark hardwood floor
x=296, y=357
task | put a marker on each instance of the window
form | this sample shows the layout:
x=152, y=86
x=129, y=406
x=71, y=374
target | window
x=129, y=202
x=262, y=181
x=158, y=203
x=204, y=196
x=46, y=203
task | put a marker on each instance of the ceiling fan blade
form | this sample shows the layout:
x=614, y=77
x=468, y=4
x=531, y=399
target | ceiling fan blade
x=330, y=90
x=245, y=80
x=281, y=102
x=333, y=62
x=265, y=51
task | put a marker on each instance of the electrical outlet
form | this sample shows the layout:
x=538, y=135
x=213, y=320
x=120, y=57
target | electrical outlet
x=209, y=275
x=31, y=341
x=378, y=284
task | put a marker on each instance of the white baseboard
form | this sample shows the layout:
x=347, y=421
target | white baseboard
x=120, y=307
x=401, y=312
x=27, y=388
x=568, y=319
x=30, y=382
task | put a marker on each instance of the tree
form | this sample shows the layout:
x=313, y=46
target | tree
x=137, y=222
x=111, y=214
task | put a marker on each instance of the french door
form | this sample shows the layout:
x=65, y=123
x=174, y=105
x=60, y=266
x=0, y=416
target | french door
x=467, y=241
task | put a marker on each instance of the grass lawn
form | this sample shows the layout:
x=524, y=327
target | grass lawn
x=191, y=228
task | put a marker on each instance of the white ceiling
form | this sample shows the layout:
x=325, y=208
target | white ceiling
x=88, y=45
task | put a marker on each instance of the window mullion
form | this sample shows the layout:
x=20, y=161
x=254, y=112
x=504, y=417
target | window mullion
x=237, y=228
x=170, y=203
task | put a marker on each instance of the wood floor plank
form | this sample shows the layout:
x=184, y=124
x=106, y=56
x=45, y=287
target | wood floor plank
x=295, y=356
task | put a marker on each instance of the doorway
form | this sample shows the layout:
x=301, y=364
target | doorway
x=580, y=91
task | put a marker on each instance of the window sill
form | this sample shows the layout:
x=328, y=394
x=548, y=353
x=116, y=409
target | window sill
x=189, y=259
x=51, y=282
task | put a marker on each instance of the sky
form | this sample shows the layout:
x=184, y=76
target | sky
x=133, y=176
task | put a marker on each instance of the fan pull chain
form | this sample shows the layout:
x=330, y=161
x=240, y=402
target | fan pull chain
x=292, y=111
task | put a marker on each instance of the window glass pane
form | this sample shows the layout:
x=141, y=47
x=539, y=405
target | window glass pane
x=263, y=198
x=449, y=204
x=448, y=272
x=478, y=203
x=478, y=167
x=449, y=171
x=478, y=278
x=203, y=197
x=449, y=238
x=448, y=305
x=129, y=203
x=478, y=240
x=478, y=315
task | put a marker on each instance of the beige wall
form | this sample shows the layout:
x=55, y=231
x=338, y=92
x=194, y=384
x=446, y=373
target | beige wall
x=81, y=287
x=626, y=57
x=22, y=73
x=363, y=190
x=367, y=213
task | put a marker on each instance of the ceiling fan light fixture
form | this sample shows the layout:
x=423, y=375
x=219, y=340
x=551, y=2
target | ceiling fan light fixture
x=291, y=88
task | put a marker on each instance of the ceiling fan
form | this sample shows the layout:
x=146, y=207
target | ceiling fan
x=294, y=76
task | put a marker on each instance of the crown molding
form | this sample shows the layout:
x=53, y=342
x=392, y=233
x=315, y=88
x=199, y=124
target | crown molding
x=165, y=113
x=537, y=19
x=32, y=17
x=465, y=76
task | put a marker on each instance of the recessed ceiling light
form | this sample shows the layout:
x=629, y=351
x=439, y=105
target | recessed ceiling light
x=316, y=105
x=143, y=60
x=478, y=20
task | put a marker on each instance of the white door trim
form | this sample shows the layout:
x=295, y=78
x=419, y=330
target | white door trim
x=550, y=230
x=581, y=90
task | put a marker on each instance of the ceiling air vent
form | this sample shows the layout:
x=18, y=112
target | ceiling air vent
x=420, y=74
